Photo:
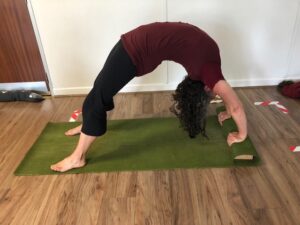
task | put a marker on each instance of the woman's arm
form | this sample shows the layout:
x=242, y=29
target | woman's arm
x=234, y=108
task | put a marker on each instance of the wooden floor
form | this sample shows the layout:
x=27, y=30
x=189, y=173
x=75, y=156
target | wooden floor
x=268, y=194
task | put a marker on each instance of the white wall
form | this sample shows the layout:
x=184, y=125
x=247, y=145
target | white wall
x=258, y=39
x=254, y=36
x=78, y=35
x=294, y=59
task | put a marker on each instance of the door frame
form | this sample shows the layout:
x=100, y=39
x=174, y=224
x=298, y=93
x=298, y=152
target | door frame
x=40, y=45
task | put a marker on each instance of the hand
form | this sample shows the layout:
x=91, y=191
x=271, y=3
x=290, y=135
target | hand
x=223, y=116
x=234, y=137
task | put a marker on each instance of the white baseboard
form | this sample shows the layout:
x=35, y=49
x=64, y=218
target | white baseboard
x=259, y=82
x=170, y=86
x=126, y=89
x=251, y=83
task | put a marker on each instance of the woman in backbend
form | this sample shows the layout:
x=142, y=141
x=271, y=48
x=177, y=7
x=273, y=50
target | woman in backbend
x=138, y=53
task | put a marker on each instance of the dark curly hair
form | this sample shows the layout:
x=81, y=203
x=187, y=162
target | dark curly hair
x=190, y=106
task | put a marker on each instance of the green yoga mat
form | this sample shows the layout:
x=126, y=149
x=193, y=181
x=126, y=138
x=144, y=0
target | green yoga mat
x=139, y=144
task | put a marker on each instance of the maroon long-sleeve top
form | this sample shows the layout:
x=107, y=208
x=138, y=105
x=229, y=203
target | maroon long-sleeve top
x=195, y=50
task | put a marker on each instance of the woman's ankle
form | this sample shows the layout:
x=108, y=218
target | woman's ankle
x=77, y=157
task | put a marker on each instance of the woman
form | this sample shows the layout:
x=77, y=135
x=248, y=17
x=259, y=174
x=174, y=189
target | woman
x=139, y=52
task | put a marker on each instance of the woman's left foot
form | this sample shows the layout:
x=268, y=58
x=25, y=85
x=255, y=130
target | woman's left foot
x=68, y=164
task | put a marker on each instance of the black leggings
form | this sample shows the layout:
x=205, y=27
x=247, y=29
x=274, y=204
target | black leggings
x=117, y=71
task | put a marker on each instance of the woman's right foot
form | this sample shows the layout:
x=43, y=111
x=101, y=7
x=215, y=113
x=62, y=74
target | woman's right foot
x=74, y=131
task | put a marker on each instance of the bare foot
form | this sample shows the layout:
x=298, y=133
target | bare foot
x=68, y=164
x=74, y=131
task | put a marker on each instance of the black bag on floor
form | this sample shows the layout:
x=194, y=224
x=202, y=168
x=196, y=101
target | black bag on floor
x=28, y=96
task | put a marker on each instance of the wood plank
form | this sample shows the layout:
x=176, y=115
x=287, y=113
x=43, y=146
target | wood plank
x=267, y=194
x=153, y=204
x=117, y=211
x=121, y=185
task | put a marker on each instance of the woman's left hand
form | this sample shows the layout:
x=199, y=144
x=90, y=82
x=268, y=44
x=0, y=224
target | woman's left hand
x=234, y=137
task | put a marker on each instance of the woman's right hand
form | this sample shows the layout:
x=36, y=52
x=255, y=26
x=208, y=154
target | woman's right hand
x=223, y=116
x=235, y=137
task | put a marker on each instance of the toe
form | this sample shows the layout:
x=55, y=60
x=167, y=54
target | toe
x=55, y=167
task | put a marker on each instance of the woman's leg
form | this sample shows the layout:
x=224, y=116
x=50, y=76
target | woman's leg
x=116, y=73
x=77, y=158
